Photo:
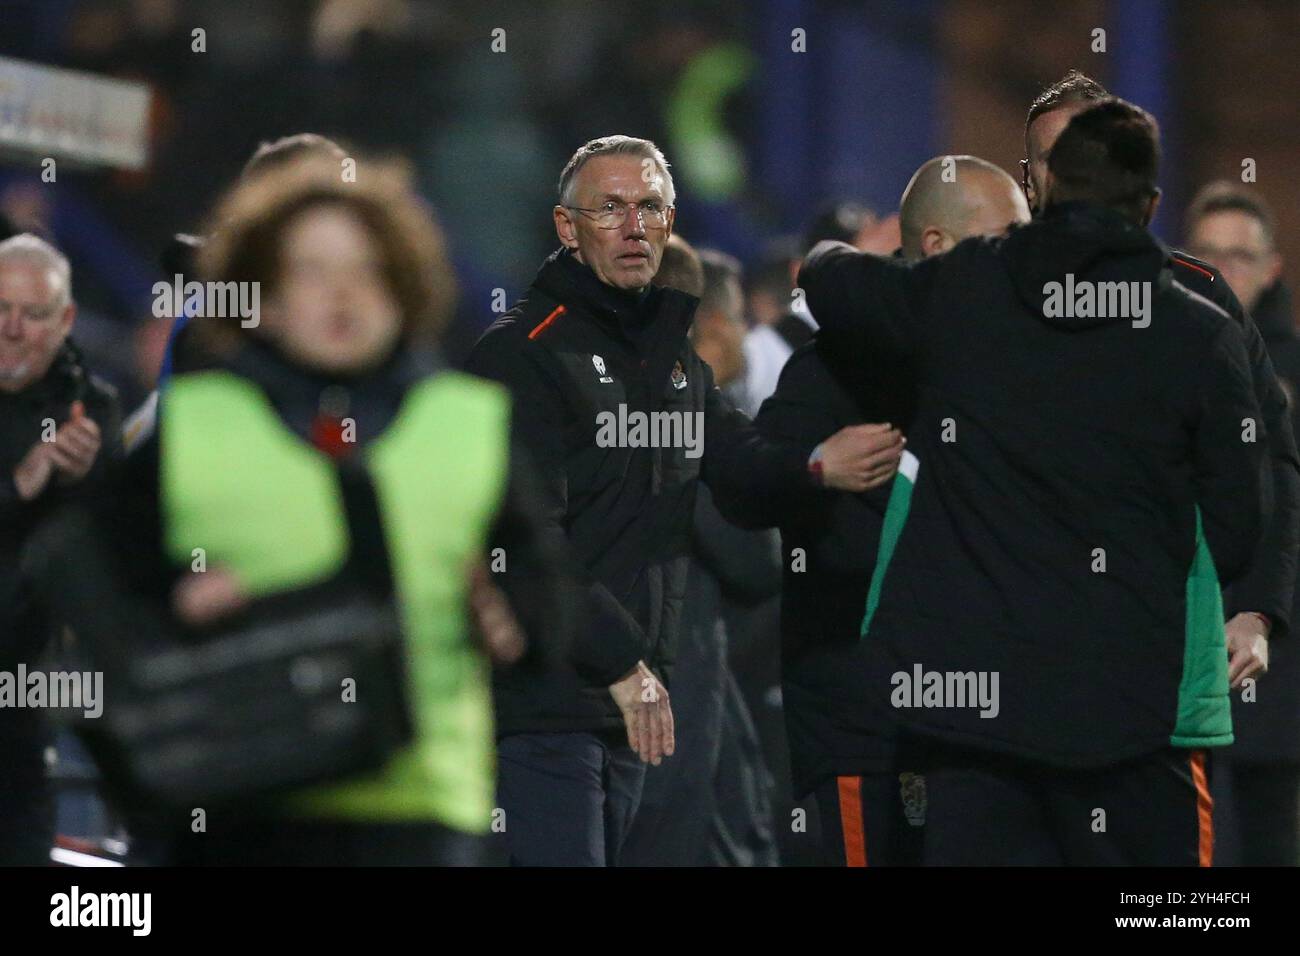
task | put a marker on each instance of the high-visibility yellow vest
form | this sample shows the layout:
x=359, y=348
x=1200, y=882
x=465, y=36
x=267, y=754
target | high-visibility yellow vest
x=267, y=506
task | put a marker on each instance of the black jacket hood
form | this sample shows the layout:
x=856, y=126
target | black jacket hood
x=1075, y=242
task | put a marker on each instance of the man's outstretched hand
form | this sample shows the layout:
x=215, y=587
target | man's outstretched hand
x=646, y=713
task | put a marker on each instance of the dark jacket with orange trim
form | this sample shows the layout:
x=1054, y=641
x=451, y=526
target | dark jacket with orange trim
x=1268, y=585
x=578, y=354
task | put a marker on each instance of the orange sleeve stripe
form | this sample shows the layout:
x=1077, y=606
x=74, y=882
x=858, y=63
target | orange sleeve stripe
x=1204, y=810
x=855, y=835
x=541, y=326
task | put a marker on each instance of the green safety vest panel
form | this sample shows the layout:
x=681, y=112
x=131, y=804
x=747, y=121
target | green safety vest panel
x=265, y=505
x=1204, y=717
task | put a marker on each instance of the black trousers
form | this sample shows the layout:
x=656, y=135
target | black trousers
x=569, y=798
x=27, y=803
x=986, y=810
x=872, y=819
x=1261, y=813
x=27, y=797
x=674, y=819
x=707, y=804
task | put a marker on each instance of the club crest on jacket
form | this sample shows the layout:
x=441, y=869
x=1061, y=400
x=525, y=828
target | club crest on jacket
x=911, y=789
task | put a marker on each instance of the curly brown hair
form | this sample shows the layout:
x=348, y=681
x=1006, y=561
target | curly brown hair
x=248, y=225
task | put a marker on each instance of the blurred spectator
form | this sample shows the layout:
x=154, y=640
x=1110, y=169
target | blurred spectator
x=180, y=256
x=680, y=269
x=1231, y=227
x=58, y=428
x=355, y=283
x=769, y=284
x=768, y=346
x=26, y=207
x=719, y=329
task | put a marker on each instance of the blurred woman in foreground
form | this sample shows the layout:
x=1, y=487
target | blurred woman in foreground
x=271, y=432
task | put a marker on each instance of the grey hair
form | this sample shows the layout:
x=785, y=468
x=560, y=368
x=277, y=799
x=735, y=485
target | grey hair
x=36, y=251
x=618, y=145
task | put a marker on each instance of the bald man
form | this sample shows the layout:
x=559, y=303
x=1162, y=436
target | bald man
x=870, y=813
x=951, y=198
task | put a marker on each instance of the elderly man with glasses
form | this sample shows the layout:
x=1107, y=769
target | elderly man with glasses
x=624, y=420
